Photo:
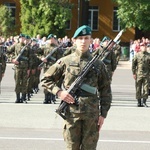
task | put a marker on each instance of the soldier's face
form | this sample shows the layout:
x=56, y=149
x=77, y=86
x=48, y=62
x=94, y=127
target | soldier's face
x=105, y=43
x=21, y=40
x=83, y=43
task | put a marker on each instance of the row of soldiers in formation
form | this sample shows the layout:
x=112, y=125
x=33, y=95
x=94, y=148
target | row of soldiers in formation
x=27, y=67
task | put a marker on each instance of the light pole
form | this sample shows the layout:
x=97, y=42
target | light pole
x=78, y=13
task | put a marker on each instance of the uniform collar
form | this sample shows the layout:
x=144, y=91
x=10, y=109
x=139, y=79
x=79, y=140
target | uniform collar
x=82, y=55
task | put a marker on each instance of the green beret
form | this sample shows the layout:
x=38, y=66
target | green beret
x=21, y=35
x=50, y=36
x=27, y=37
x=82, y=31
x=105, y=38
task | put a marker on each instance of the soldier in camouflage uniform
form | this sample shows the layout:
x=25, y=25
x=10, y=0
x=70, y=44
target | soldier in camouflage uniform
x=117, y=51
x=2, y=62
x=46, y=49
x=22, y=68
x=30, y=81
x=141, y=74
x=69, y=50
x=83, y=121
x=36, y=71
x=109, y=57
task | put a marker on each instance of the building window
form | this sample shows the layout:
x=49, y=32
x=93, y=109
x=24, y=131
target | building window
x=68, y=25
x=12, y=7
x=93, y=17
x=116, y=21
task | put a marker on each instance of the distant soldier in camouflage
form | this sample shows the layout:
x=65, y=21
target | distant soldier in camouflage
x=36, y=71
x=117, y=51
x=46, y=49
x=109, y=57
x=83, y=121
x=141, y=74
x=30, y=81
x=2, y=62
x=69, y=50
x=22, y=67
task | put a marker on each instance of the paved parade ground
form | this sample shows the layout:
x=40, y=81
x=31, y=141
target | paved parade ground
x=35, y=126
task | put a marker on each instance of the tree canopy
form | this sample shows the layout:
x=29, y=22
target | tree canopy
x=6, y=21
x=45, y=17
x=134, y=13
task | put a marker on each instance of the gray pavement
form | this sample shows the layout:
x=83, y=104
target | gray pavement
x=35, y=126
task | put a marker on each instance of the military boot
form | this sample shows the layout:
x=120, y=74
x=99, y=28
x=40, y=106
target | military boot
x=17, y=98
x=144, y=102
x=139, y=103
x=46, y=99
x=53, y=99
x=28, y=96
x=23, y=99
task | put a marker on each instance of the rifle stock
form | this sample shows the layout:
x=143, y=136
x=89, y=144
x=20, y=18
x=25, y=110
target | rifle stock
x=79, y=80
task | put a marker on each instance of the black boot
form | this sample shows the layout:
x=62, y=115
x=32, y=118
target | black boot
x=17, y=98
x=28, y=96
x=144, y=103
x=46, y=99
x=23, y=99
x=53, y=99
x=139, y=103
x=49, y=98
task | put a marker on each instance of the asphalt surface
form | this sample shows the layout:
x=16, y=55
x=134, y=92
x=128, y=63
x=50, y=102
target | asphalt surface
x=36, y=126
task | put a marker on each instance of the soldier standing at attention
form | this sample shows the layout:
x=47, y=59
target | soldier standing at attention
x=46, y=49
x=109, y=57
x=117, y=51
x=141, y=73
x=22, y=67
x=83, y=121
x=2, y=63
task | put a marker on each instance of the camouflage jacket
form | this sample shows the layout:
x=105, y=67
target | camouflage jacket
x=25, y=60
x=109, y=59
x=66, y=70
x=69, y=50
x=2, y=64
x=34, y=54
x=141, y=64
x=45, y=50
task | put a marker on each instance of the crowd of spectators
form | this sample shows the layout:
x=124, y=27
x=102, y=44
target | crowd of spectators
x=135, y=46
x=41, y=41
x=95, y=43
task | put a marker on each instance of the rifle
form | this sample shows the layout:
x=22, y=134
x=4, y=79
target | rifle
x=79, y=80
x=22, y=51
x=106, y=54
x=50, y=55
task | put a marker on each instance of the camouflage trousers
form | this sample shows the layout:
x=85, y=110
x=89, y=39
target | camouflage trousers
x=37, y=78
x=81, y=132
x=21, y=80
x=142, y=87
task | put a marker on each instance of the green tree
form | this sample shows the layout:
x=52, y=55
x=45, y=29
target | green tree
x=6, y=21
x=134, y=13
x=45, y=17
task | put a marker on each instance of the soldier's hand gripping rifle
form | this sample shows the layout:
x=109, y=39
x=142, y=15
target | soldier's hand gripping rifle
x=50, y=55
x=79, y=80
x=22, y=51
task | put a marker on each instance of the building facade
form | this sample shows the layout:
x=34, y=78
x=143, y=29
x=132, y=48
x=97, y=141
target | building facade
x=100, y=15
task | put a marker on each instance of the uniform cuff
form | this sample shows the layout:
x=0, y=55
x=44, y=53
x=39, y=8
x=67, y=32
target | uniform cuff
x=55, y=90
